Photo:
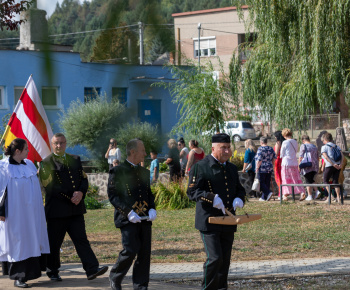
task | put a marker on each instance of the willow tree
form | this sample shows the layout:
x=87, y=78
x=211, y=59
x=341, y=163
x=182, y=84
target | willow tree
x=299, y=62
x=203, y=97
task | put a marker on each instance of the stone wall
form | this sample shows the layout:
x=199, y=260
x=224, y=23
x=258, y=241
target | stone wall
x=101, y=180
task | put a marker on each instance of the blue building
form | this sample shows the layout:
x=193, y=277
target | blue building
x=72, y=79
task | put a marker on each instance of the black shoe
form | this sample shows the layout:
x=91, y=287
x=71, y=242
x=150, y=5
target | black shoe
x=54, y=277
x=100, y=271
x=21, y=284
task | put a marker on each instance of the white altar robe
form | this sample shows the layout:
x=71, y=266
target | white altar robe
x=24, y=233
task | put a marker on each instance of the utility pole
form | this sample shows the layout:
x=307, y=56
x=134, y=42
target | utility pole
x=199, y=47
x=178, y=47
x=141, y=42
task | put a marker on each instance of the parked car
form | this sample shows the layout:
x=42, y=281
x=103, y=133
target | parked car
x=238, y=130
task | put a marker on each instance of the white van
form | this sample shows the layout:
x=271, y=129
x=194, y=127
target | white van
x=239, y=130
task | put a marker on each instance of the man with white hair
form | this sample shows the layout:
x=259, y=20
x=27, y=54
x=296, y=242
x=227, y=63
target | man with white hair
x=214, y=185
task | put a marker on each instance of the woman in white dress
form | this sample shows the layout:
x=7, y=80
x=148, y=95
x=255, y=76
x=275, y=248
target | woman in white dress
x=113, y=153
x=23, y=233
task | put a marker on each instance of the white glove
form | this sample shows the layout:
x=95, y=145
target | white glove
x=152, y=215
x=237, y=202
x=217, y=203
x=133, y=217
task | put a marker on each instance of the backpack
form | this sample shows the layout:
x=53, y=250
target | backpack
x=335, y=152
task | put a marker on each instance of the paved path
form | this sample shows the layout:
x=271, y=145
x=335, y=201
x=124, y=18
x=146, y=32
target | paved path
x=74, y=277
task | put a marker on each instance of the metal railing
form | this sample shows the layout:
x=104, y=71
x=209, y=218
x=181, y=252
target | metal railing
x=314, y=185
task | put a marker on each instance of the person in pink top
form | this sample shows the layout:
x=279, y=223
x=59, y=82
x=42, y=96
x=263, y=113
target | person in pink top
x=290, y=172
x=196, y=154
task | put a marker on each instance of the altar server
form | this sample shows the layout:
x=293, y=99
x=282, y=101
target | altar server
x=23, y=234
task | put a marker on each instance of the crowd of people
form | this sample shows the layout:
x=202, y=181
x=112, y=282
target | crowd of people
x=283, y=163
x=31, y=234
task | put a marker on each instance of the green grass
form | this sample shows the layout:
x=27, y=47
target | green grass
x=291, y=230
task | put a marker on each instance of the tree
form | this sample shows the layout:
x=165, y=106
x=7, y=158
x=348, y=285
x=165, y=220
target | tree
x=93, y=123
x=204, y=101
x=299, y=63
x=112, y=45
x=8, y=9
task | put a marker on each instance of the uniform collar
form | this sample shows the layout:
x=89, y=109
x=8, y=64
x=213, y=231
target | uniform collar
x=14, y=162
x=224, y=164
x=131, y=164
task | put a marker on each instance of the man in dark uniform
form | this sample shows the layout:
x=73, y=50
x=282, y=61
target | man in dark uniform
x=214, y=185
x=66, y=185
x=130, y=193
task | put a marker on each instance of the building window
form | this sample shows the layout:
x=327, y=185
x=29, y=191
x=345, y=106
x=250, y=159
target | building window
x=120, y=94
x=18, y=92
x=3, y=103
x=91, y=93
x=50, y=97
x=207, y=46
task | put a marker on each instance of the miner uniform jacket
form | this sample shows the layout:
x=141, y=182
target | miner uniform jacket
x=207, y=178
x=129, y=189
x=61, y=176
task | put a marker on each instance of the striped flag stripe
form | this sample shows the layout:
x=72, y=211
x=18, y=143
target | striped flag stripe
x=34, y=116
x=32, y=134
x=34, y=95
x=16, y=130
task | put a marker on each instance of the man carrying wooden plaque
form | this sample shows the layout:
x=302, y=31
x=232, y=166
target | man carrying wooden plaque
x=214, y=185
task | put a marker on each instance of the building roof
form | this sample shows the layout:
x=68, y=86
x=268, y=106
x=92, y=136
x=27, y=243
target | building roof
x=207, y=11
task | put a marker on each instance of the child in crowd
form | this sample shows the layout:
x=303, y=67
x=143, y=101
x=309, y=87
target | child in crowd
x=154, y=170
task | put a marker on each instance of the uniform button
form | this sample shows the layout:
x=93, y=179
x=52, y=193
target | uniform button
x=71, y=176
x=228, y=202
x=72, y=181
x=228, y=195
x=140, y=195
x=227, y=189
x=225, y=177
x=226, y=183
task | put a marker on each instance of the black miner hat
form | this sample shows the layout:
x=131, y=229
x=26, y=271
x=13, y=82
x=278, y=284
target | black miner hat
x=220, y=138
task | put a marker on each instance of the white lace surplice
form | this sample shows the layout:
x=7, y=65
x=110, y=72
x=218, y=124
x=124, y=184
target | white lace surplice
x=23, y=234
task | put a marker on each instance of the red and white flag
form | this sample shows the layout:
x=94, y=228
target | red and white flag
x=29, y=122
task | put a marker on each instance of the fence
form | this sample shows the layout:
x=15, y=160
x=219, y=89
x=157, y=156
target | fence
x=315, y=185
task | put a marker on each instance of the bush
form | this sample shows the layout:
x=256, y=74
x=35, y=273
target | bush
x=171, y=195
x=93, y=190
x=237, y=159
x=93, y=123
x=163, y=167
x=92, y=203
x=149, y=135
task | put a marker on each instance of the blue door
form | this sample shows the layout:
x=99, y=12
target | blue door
x=149, y=111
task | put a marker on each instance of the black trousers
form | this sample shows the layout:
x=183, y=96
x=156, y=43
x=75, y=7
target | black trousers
x=136, y=240
x=218, y=247
x=75, y=227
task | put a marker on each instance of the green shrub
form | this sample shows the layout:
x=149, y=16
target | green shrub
x=171, y=195
x=163, y=167
x=92, y=203
x=93, y=190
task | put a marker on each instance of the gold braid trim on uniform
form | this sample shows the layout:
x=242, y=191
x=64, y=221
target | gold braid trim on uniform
x=47, y=181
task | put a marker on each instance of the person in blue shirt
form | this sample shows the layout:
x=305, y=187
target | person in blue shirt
x=154, y=167
x=249, y=162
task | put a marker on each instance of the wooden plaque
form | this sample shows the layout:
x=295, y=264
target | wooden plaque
x=234, y=219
